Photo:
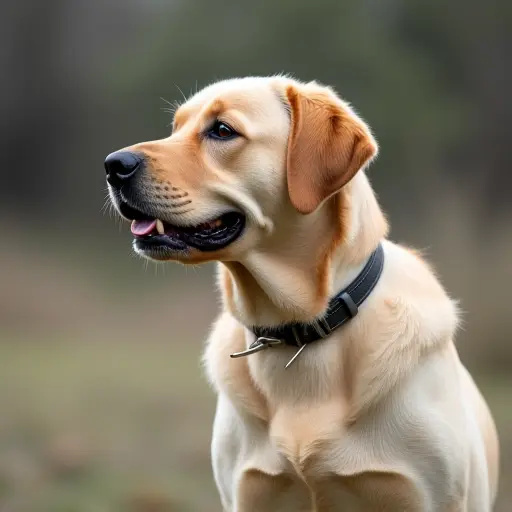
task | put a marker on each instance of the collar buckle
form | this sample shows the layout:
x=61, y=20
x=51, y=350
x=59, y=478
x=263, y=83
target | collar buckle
x=323, y=328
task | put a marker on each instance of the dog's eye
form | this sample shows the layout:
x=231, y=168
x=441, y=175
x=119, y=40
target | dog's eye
x=221, y=131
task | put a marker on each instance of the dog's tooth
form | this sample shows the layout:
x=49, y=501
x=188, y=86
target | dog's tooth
x=160, y=227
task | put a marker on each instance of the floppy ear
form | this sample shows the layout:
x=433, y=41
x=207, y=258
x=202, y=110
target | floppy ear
x=327, y=145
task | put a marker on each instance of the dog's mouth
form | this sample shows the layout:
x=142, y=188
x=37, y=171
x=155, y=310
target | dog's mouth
x=158, y=238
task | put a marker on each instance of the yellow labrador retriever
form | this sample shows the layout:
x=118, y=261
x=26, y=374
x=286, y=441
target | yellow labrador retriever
x=374, y=410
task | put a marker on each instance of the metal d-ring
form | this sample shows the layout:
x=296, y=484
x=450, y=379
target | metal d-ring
x=262, y=343
x=299, y=344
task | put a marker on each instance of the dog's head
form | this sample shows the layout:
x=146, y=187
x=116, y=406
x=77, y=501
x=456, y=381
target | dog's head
x=244, y=156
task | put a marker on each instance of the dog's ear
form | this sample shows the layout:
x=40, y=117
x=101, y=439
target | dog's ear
x=327, y=145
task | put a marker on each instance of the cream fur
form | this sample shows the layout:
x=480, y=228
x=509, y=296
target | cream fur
x=382, y=415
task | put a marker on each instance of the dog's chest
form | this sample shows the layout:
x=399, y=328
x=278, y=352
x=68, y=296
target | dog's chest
x=286, y=466
x=284, y=444
x=306, y=409
x=299, y=466
x=305, y=434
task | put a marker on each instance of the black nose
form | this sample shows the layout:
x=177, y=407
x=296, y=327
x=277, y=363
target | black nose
x=121, y=166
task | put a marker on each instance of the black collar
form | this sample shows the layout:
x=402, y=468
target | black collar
x=342, y=307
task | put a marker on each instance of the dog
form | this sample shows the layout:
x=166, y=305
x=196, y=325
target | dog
x=266, y=176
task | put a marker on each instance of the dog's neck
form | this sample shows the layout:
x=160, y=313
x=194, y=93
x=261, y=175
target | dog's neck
x=306, y=260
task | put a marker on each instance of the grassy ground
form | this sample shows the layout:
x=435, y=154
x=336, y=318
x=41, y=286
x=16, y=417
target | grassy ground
x=90, y=427
x=94, y=427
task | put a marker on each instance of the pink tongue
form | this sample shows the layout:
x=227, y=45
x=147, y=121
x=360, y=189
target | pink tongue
x=143, y=227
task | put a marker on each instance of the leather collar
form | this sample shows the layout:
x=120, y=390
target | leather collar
x=342, y=308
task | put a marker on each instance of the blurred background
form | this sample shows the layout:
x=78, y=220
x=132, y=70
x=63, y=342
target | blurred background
x=103, y=404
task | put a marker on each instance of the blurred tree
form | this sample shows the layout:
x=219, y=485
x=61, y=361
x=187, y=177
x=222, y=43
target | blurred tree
x=85, y=78
x=468, y=44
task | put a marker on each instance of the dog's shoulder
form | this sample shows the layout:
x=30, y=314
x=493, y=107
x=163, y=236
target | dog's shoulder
x=408, y=317
x=414, y=296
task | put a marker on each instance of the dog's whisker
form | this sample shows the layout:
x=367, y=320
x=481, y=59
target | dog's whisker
x=106, y=204
x=171, y=104
x=177, y=87
x=108, y=208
